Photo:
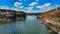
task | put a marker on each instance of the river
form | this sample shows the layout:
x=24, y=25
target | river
x=31, y=25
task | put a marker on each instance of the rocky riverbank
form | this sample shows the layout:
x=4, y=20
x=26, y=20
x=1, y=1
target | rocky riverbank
x=51, y=19
x=52, y=25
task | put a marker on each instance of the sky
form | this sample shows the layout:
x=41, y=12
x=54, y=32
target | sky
x=30, y=6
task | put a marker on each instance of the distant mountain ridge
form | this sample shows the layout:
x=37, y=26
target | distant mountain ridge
x=33, y=13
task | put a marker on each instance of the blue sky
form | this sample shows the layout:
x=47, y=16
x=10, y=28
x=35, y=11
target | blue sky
x=30, y=6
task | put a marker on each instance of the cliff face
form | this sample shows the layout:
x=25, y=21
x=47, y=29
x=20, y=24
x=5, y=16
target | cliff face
x=52, y=13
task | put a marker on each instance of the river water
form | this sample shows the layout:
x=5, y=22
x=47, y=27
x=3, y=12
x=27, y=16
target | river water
x=31, y=25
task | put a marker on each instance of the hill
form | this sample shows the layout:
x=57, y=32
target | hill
x=10, y=15
x=33, y=13
x=53, y=14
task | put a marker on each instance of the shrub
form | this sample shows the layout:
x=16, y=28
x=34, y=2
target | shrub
x=57, y=19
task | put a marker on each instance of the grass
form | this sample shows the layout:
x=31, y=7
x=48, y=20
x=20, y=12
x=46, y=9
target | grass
x=56, y=20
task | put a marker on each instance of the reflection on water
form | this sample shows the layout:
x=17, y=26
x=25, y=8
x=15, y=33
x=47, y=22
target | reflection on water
x=30, y=26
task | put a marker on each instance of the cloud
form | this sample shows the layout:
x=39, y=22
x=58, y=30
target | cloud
x=39, y=6
x=21, y=6
x=10, y=8
x=33, y=4
x=45, y=9
x=29, y=9
x=4, y=7
x=45, y=5
x=18, y=5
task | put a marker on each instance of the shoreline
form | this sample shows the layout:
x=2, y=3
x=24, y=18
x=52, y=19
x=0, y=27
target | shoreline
x=52, y=26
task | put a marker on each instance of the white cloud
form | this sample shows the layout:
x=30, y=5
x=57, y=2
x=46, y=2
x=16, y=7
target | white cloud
x=21, y=6
x=45, y=5
x=39, y=6
x=45, y=9
x=4, y=7
x=30, y=9
x=18, y=5
x=33, y=4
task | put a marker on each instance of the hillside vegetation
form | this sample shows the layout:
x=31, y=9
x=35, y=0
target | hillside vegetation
x=10, y=15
